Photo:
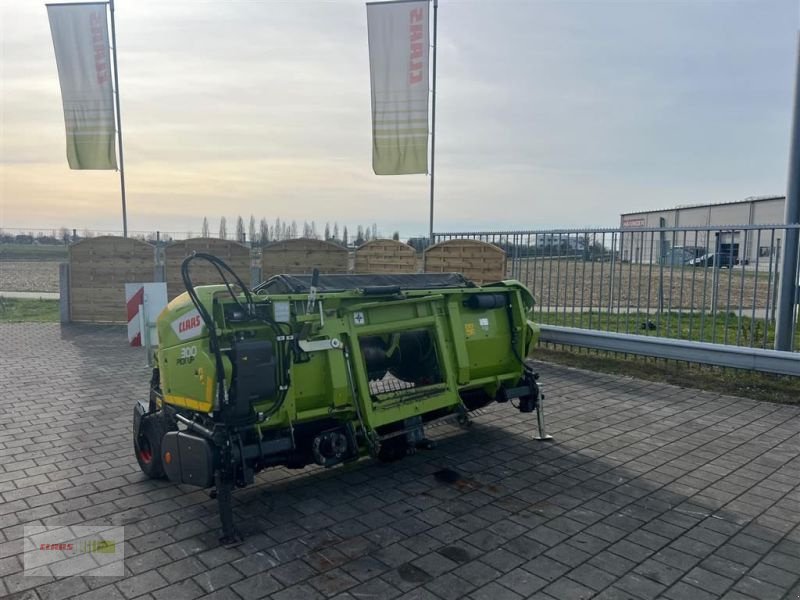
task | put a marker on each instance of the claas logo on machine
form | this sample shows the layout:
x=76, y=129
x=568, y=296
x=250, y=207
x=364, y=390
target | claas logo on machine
x=189, y=326
x=189, y=323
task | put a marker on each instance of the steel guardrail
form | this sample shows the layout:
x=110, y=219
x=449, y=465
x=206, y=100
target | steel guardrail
x=736, y=357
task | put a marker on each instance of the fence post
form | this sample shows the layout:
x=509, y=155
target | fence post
x=255, y=275
x=159, y=268
x=611, y=275
x=662, y=238
x=715, y=285
x=63, y=292
x=791, y=244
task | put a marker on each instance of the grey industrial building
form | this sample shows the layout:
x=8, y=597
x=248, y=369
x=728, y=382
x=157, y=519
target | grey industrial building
x=746, y=246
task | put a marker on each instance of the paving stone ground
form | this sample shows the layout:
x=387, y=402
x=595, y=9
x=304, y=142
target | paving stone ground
x=649, y=491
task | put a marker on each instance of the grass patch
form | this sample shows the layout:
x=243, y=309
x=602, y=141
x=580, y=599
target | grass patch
x=732, y=382
x=722, y=328
x=32, y=252
x=17, y=310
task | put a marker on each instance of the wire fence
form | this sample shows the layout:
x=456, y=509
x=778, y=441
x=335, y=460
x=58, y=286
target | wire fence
x=713, y=284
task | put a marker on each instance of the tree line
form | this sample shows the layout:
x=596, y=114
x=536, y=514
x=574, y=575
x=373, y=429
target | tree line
x=265, y=232
x=53, y=237
x=261, y=233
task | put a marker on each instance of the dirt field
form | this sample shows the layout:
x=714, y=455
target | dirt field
x=570, y=283
x=29, y=276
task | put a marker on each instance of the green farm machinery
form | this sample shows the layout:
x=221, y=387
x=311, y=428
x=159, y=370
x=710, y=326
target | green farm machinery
x=324, y=369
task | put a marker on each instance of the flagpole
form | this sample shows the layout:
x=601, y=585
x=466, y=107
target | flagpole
x=119, y=121
x=433, y=119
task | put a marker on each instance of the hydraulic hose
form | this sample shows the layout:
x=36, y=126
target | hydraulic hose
x=284, y=357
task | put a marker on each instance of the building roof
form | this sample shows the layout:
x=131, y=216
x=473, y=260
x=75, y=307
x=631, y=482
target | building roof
x=705, y=205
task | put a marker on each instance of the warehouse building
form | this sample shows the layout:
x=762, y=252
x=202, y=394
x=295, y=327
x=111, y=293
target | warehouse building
x=745, y=246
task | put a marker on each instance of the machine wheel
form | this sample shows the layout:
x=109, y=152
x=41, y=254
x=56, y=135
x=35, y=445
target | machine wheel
x=147, y=445
x=393, y=449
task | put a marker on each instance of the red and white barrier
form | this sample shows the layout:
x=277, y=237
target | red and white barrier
x=144, y=302
x=133, y=302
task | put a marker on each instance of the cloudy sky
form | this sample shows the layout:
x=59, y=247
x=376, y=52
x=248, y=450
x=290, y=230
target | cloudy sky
x=549, y=113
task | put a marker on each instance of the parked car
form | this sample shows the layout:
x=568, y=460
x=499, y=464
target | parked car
x=678, y=256
x=714, y=259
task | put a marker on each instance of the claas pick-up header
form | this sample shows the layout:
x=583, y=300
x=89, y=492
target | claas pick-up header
x=324, y=369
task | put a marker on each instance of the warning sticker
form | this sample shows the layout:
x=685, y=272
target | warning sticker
x=469, y=329
x=484, y=323
x=282, y=311
x=358, y=318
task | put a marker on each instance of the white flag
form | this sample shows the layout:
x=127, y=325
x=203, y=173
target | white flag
x=398, y=63
x=80, y=40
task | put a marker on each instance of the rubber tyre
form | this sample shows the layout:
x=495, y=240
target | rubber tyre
x=393, y=449
x=147, y=445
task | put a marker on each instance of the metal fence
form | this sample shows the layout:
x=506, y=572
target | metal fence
x=716, y=284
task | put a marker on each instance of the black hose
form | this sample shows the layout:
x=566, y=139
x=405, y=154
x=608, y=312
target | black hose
x=219, y=265
x=213, y=342
x=284, y=359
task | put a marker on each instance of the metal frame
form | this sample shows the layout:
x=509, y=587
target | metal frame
x=119, y=120
x=736, y=357
x=790, y=269
x=433, y=117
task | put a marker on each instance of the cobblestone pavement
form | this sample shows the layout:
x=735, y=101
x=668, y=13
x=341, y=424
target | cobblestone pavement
x=648, y=491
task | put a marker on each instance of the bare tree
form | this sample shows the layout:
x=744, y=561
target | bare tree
x=263, y=235
x=344, y=236
x=306, y=230
x=251, y=229
x=223, y=229
x=239, y=229
x=293, y=230
x=396, y=236
x=327, y=232
x=204, y=231
x=335, y=230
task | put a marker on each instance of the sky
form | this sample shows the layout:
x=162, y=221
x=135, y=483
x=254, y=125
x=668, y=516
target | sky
x=549, y=114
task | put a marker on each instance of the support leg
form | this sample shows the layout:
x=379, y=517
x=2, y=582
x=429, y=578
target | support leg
x=225, y=507
x=540, y=420
x=416, y=434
